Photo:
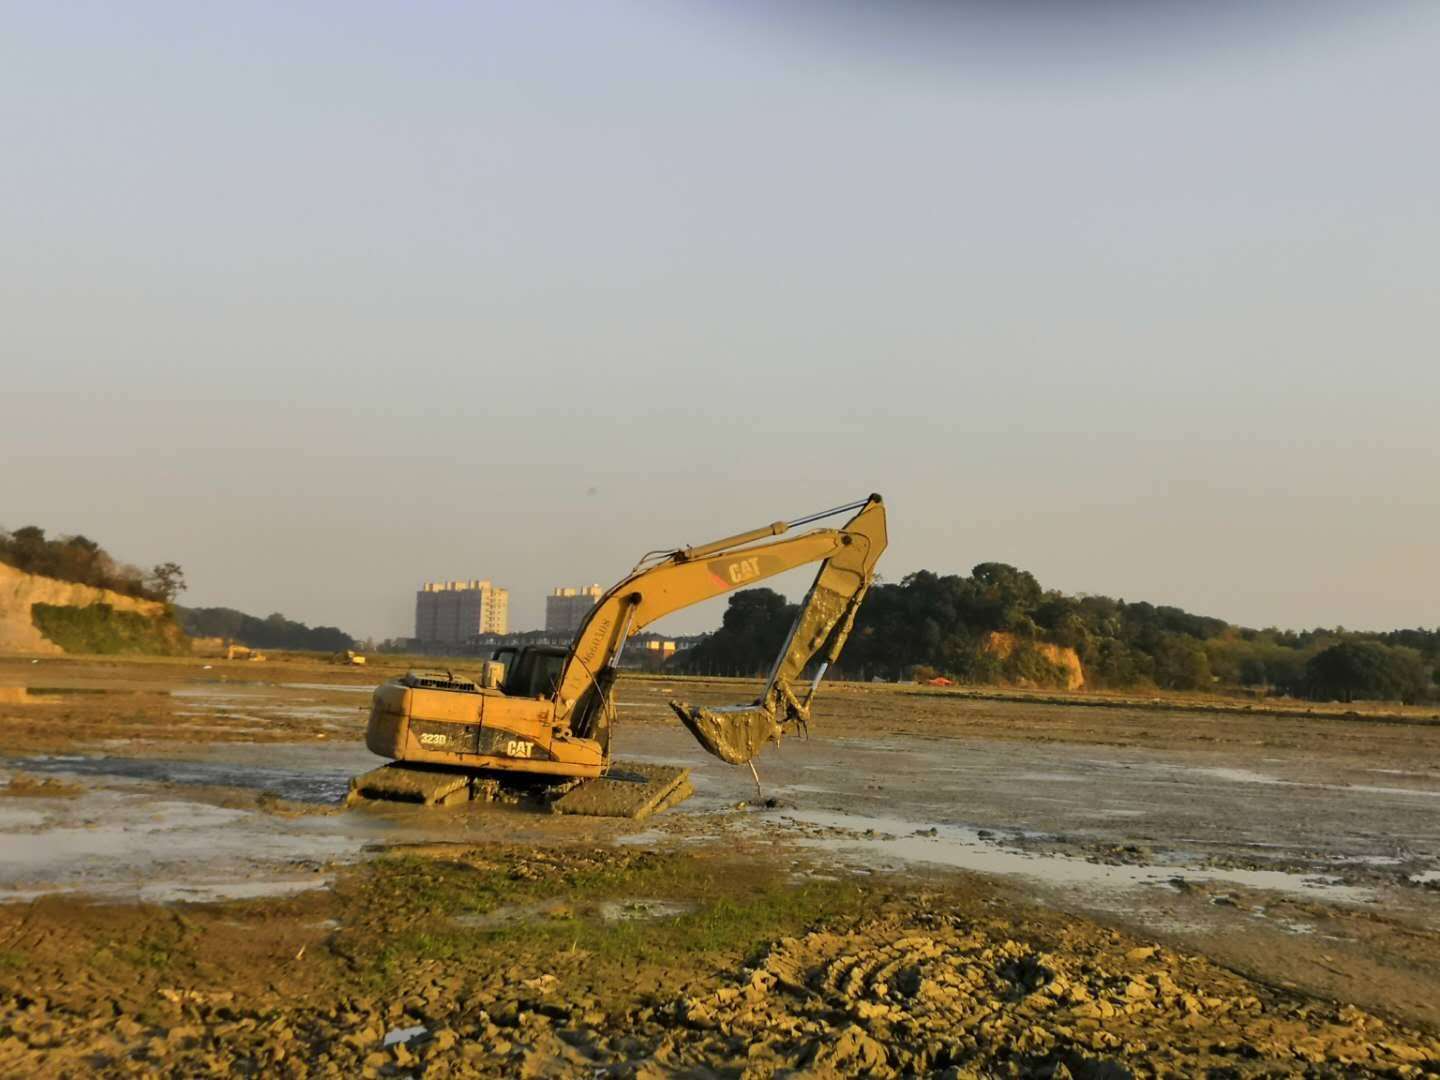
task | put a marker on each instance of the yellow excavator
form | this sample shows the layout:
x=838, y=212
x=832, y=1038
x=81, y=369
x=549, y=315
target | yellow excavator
x=543, y=714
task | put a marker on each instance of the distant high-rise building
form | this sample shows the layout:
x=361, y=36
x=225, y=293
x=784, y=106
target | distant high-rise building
x=453, y=612
x=565, y=608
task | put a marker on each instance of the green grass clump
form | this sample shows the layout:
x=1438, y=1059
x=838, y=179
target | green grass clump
x=99, y=628
x=733, y=910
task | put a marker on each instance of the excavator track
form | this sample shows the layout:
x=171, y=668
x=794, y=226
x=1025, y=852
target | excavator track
x=409, y=782
x=629, y=790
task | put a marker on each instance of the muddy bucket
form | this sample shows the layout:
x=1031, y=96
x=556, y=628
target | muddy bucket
x=733, y=733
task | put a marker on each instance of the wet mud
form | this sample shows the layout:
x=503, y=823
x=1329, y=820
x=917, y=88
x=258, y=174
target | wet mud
x=1296, y=856
x=502, y=961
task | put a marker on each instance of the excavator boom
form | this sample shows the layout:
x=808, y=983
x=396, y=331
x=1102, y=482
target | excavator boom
x=737, y=733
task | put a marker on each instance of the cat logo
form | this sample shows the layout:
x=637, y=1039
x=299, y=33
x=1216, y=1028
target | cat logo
x=743, y=570
x=518, y=748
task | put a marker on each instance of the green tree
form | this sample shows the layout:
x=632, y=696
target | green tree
x=1181, y=663
x=755, y=625
x=167, y=581
x=1358, y=670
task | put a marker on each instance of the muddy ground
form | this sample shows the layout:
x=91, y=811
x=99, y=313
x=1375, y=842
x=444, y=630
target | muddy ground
x=934, y=884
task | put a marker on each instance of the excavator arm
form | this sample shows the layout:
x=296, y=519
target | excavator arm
x=677, y=579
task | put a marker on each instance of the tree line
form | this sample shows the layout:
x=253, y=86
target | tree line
x=81, y=560
x=273, y=632
x=950, y=625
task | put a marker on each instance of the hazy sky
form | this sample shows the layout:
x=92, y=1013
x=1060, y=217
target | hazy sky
x=323, y=300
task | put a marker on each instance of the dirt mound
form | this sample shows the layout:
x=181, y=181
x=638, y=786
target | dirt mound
x=974, y=987
x=19, y=592
x=891, y=999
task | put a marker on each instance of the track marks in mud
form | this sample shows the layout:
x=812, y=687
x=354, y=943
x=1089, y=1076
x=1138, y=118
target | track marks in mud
x=901, y=997
x=884, y=981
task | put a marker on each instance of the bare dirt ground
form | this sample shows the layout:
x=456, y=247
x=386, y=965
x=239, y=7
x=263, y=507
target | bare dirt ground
x=936, y=883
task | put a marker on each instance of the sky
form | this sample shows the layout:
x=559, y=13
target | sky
x=326, y=300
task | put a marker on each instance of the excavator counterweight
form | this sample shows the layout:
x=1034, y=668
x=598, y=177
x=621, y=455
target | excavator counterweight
x=542, y=715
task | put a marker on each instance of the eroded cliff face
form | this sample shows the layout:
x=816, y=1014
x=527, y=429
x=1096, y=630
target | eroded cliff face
x=1002, y=646
x=19, y=591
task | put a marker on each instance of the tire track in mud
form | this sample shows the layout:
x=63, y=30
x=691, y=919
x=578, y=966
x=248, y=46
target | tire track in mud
x=921, y=989
x=942, y=994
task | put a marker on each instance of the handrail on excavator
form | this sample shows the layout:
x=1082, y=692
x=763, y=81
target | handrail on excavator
x=778, y=528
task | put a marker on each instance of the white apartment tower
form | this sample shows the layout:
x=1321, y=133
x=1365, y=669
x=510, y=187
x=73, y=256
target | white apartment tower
x=453, y=612
x=566, y=608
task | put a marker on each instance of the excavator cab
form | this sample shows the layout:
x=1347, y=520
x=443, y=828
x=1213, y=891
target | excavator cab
x=532, y=671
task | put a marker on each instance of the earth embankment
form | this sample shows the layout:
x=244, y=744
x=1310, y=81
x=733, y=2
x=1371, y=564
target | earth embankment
x=21, y=592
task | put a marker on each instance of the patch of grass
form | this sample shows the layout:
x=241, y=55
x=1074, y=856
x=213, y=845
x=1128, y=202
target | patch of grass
x=736, y=910
x=12, y=960
x=479, y=882
x=144, y=954
x=99, y=628
x=733, y=925
x=156, y=946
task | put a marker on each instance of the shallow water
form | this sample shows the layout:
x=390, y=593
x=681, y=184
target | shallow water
x=897, y=841
x=50, y=695
x=124, y=841
x=1186, y=808
x=282, y=769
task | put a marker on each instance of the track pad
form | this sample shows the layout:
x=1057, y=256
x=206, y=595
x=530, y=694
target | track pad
x=733, y=733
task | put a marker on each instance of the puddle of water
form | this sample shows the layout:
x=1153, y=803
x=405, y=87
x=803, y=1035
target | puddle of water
x=132, y=845
x=641, y=910
x=89, y=841
x=206, y=892
x=403, y=1035
x=325, y=784
x=1249, y=776
x=12, y=817
x=344, y=688
x=322, y=712
x=1374, y=790
x=50, y=695
x=1237, y=776
x=512, y=913
x=809, y=789
x=895, y=840
x=170, y=892
x=1049, y=778
x=218, y=693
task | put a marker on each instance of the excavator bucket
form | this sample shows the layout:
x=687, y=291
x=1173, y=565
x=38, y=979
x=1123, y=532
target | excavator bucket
x=733, y=733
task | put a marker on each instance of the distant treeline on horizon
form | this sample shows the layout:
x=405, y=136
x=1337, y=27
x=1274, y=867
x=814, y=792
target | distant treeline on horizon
x=931, y=624
x=272, y=632
x=82, y=561
x=926, y=625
